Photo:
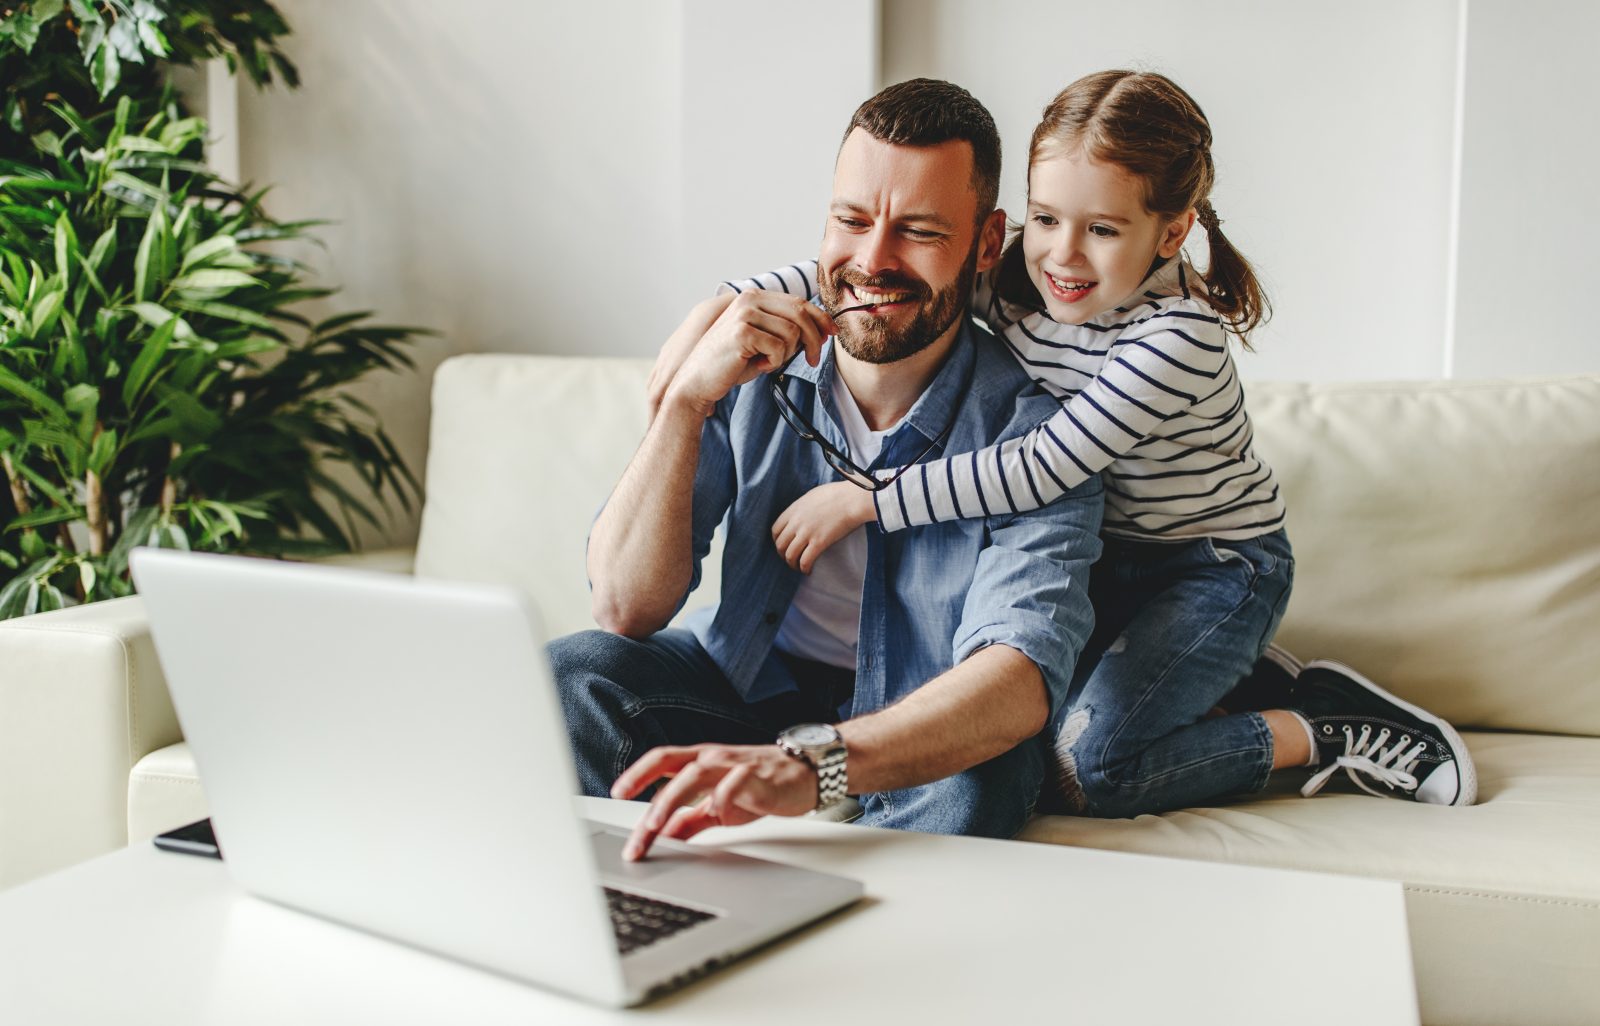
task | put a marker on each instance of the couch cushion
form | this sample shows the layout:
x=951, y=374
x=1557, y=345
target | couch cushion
x=164, y=793
x=1503, y=897
x=1447, y=540
x=522, y=453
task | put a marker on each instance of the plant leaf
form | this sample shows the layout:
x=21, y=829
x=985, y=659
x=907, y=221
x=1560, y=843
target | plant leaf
x=103, y=452
x=227, y=312
x=144, y=365
x=213, y=279
x=155, y=315
x=66, y=246
x=45, y=517
x=213, y=246
x=45, y=312
x=21, y=389
x=102, y=246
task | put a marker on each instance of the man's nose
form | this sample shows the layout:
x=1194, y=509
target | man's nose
x=878, y=251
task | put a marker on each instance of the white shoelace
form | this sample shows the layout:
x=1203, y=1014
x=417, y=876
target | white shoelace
x=1365, y=756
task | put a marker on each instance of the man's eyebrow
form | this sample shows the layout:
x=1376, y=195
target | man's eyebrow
x=918, y=217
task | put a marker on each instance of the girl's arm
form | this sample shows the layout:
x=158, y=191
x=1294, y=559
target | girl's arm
x=1171, y=362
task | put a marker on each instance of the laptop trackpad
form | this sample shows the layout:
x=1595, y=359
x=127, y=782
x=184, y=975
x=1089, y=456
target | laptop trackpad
x=608, y=857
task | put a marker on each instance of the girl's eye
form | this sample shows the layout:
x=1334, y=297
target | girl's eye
x=1044, y=219
x=850, y=223
x=1104, y=231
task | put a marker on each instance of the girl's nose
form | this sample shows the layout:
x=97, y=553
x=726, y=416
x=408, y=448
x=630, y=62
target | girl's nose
x=1066, y=252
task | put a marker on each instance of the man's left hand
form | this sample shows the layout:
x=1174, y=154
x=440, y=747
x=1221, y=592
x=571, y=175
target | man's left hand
x=714, y=785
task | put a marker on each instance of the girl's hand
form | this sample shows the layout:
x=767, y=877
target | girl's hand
x=817, y=519
x=680, y=344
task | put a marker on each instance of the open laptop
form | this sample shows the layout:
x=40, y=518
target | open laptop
x=390, y=753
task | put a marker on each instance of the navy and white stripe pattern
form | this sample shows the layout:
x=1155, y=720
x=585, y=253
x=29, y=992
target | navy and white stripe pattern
x=796, y=279
x=1150, y=397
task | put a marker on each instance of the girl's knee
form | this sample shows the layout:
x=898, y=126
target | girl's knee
x=1092, y=771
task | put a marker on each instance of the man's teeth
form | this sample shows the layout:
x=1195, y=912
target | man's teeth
x=1066, y=287
x=876, y=298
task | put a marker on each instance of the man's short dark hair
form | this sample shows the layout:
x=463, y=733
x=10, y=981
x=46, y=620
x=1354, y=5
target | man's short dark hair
x=927, y=112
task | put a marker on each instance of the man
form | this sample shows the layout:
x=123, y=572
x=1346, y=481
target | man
x=947, y=647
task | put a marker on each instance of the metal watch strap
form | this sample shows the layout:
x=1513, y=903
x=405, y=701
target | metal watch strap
x=827, y=760
x=832, y=784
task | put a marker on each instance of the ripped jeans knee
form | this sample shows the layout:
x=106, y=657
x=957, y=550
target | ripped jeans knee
x=1065, y=743
x=1089, y=780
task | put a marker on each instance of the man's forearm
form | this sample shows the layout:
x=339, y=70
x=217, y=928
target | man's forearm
x=990, y=703
x=640, y=557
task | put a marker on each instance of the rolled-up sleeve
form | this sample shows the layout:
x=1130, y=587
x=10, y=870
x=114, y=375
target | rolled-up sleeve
x=1030, y=590
x=715, y=481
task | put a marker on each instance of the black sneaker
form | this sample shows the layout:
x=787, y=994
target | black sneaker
x=1267, y=685
x=1387, y=746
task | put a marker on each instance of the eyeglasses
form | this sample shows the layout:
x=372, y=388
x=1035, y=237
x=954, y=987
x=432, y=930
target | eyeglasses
x=839, y=461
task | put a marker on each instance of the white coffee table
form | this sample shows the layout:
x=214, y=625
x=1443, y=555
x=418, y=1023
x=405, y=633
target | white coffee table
x=953, y=930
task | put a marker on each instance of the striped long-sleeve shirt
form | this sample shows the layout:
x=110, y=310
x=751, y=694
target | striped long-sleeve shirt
x=1149, y=397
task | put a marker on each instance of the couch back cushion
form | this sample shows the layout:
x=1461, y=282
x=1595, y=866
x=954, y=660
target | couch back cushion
x=1447, y=540
x=1446, y=534
x=522, y=453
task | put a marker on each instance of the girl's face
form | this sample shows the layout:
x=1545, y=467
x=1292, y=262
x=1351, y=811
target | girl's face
x=1088, y=240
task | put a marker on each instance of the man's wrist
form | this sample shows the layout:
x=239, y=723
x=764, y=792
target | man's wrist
x=680, y=403
x=822, y=748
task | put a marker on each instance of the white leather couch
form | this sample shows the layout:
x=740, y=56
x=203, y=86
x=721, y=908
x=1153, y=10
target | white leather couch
x=1448, y=544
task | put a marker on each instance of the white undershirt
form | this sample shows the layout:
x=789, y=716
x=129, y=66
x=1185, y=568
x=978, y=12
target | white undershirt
x=824, y=622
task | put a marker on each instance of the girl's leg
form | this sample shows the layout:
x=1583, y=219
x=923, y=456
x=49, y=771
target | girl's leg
x=1135, y=738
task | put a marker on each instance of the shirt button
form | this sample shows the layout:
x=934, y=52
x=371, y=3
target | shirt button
x=772, y=618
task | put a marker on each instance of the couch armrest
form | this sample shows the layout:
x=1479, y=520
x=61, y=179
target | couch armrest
x=82, y=698
x=390, y=561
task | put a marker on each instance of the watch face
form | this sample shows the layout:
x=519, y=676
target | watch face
x=811, y=734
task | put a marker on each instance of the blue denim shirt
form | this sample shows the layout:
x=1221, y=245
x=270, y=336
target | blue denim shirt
x=933, y=595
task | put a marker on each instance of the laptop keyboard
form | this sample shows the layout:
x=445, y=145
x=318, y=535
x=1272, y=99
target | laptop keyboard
x=638, y=921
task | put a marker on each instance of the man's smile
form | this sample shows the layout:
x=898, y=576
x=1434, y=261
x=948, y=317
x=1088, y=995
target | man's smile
x=876, y=301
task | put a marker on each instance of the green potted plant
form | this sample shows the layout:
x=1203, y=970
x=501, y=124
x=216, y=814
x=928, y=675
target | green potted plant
x=157, y=386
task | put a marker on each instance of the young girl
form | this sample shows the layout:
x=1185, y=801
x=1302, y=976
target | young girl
x=1096, y=300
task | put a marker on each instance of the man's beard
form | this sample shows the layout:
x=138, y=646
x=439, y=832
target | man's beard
x=871, y=339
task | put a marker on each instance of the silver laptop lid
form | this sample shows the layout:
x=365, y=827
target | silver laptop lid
x=420, y=784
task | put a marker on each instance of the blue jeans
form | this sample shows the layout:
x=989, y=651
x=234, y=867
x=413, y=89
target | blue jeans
x=1176, y=626
x=623, y=697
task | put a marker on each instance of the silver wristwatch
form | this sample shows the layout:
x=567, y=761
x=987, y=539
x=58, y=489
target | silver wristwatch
x=822, y=747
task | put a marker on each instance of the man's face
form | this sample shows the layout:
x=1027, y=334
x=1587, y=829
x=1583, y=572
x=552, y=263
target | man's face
x=902, y=244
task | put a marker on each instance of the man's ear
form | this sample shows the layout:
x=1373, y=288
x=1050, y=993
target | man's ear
x=1174, y=233
x=991, y=239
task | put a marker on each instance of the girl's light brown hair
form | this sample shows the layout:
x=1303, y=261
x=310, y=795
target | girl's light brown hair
x=1148, y=126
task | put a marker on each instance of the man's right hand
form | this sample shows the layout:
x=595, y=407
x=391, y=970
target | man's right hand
x=759, y=332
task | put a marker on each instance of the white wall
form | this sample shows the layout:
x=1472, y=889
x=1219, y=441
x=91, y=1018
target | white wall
x=1528, y=197
x=765, y=100
x=556, y=178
